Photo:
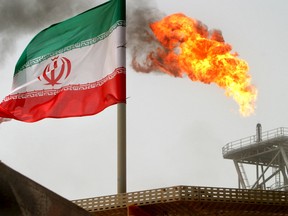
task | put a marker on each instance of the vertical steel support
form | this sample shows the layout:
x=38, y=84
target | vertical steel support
x=264, y=171
x=121, y=148
x=285, y=158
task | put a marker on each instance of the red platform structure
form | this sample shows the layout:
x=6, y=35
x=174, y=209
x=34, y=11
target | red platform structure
x=190, y=201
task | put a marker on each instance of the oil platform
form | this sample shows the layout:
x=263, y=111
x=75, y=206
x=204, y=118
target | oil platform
x=266, y=156
x=265, y=194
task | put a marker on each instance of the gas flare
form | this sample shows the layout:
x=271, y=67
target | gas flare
x=185, y=46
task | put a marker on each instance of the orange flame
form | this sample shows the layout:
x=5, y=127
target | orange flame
x=187, y=47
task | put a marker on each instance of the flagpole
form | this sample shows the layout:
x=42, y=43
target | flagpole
x=121, y=148
x=121, y=125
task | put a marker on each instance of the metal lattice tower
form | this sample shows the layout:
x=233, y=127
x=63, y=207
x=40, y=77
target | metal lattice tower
x=266, y=156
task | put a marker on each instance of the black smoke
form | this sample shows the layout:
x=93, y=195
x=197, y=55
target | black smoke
x=27, y=17
x=140, y=38
x=20, y=17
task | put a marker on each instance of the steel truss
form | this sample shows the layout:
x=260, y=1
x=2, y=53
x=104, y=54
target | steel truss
x=267, y=154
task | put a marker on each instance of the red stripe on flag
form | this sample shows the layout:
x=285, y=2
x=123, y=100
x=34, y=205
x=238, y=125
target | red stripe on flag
x=67, y=103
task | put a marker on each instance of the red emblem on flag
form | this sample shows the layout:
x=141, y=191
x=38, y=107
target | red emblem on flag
x=56, y=71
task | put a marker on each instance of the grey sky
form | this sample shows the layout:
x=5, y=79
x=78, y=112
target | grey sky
x=176, y=128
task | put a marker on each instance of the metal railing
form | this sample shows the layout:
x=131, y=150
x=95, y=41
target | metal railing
x=244, y=142
x=183, y=193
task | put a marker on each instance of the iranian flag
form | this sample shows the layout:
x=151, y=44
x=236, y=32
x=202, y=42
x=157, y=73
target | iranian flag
x=73, y=68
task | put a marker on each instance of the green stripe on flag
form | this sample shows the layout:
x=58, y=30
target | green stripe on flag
x=82, y=30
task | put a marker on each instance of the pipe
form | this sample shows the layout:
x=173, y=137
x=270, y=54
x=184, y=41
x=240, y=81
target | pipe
x=258, y=132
